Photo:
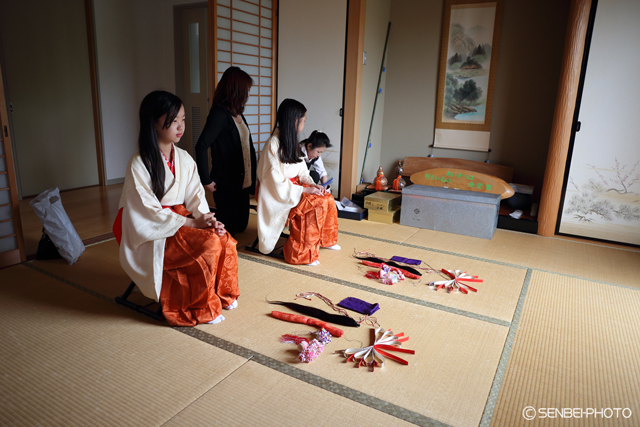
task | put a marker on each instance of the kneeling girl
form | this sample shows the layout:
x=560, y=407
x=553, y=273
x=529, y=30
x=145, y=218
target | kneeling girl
x=288, y=192
x=171, y=246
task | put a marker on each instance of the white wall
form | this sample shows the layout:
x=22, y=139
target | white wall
x=46, y=66
x=311, y=43
x=135, y=56
x=412, y=76
x=376, y=22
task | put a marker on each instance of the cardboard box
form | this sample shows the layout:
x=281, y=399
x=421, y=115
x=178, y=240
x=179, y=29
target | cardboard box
x=453, y=211
x=384, y=216
x=382, y=201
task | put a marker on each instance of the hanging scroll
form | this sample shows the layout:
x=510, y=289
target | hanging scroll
x=468, y=62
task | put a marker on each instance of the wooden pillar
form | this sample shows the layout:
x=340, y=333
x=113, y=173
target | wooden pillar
x=352, y=96
x=212, y=63
x=563, y=117
x=18, y=255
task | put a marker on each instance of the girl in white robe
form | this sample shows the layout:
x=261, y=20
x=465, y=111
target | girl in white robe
x=288, y=192
x=167, y=231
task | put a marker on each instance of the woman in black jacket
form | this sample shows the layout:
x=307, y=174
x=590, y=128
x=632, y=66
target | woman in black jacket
x=232, y=177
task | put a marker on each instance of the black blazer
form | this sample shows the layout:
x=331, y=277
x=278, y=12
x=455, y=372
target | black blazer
x=221, y=135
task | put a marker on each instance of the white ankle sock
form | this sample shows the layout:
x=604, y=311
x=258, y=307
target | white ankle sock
x=335, y=247
x=231, y=306
x=316, y=262
x=216, y=320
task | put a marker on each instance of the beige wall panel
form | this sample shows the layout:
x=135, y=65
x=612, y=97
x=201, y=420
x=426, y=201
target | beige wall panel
x=46, y=61
x=135, y=55
x=311, y=43
x=375, y=31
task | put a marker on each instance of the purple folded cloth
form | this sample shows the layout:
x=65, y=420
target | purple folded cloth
x=406, y=260
x=358, y=305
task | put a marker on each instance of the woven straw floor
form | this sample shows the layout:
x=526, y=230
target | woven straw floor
x=554, y=324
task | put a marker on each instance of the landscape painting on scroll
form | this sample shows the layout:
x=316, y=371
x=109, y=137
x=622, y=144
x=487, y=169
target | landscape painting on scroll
x=468, y=62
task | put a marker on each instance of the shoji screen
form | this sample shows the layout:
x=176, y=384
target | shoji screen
x=11, y=240
x=245, y=32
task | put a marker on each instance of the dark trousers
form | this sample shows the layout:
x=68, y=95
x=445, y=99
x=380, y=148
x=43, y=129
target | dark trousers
x=315, y=176
x=232, y=209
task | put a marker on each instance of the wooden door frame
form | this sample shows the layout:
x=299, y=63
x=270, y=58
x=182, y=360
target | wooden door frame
x=356, y=17
x=563, y=117
x=18, y=255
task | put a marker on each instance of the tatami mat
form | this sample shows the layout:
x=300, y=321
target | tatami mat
x=255, y=395
x=454, y=354
x=70, y=356
x=97, y=269
x=583, y=260
x=577, y=346
x=496, y=298
x=70, y=359
x=393, y=232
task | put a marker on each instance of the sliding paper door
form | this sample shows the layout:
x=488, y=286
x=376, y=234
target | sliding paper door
x=602, y=196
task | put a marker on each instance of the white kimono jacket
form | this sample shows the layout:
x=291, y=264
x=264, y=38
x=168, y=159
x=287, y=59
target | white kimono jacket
x=277, y=194
x=146, y=225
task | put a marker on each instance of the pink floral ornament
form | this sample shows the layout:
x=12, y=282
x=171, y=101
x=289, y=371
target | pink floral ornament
x=310, y=351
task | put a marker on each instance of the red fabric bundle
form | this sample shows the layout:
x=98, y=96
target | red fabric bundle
x=296, y=318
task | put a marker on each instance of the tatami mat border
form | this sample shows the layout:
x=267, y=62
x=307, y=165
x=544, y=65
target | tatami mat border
x=292, y=371
x=485, y=421
x=492, y=261
x=262, y=260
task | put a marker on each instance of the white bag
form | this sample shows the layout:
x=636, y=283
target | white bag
x=57, y=224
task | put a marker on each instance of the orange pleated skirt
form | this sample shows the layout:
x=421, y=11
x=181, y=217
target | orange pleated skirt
x=312, y=224
x=200, y=275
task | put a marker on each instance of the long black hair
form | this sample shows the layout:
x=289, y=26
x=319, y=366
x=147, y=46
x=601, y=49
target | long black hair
x=316, y=139
x=289, y=114
x=153, y=107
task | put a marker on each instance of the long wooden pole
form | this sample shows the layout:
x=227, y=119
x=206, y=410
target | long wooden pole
x=375, y=102
x=563, y=117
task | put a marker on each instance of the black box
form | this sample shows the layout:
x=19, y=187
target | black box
x=358, y=199
x=348, y=213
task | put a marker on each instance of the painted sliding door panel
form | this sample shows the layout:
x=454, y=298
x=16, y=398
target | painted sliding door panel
x=602, y=199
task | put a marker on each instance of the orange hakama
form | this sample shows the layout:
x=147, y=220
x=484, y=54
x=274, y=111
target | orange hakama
x=313, y=219
x=200, y=275
x=313, y=224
